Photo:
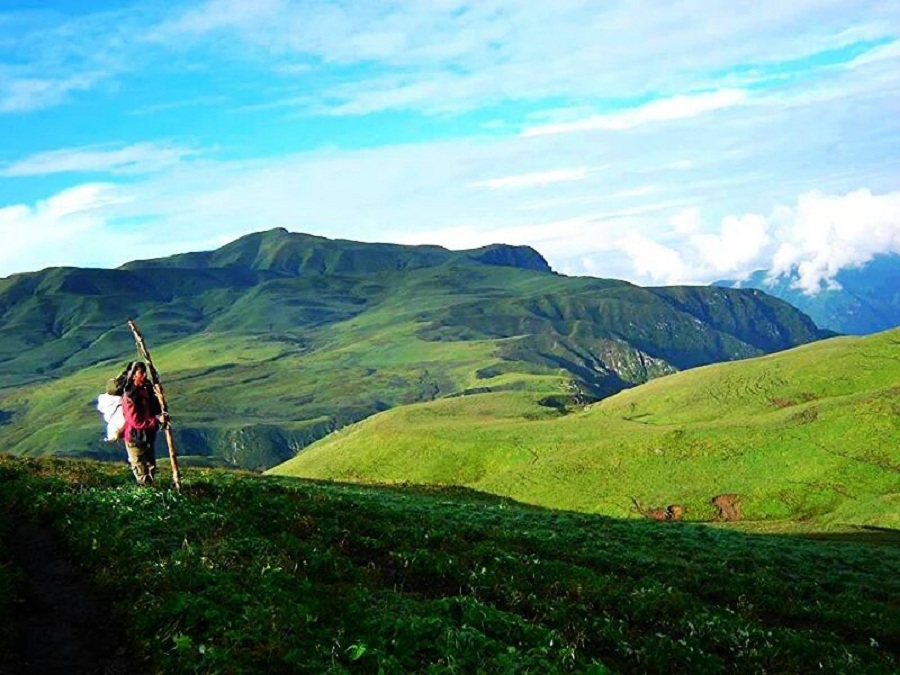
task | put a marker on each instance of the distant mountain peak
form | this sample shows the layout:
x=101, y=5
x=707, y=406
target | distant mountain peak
x=282, y=251
x=507, y=255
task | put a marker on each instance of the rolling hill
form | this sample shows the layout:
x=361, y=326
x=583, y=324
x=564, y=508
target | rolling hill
x=810, y=434
x=277, y=339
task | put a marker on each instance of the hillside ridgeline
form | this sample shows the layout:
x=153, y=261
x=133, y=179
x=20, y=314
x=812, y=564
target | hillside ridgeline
x=277, y=339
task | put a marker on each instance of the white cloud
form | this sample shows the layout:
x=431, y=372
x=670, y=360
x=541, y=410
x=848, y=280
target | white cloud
x=85, y=226
x=55, y=229
x=459, y=55
x=137, y=158
x=687, y=222
x=887, y=52
x=588, y=200
x=18, y=95
x=674, y=108
x=435, y=56
x=654, y=261
x=812, y=240
x=823, y=234
x=739, y=243
x=79, y=201
x=48, y=56
x=533, y=179
x=218, y=14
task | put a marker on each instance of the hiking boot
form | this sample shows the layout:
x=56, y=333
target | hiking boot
x=141, y=475
x=138, y=474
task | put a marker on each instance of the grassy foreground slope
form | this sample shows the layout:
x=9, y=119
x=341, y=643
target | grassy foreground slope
x=812, y=433
x=245, y=574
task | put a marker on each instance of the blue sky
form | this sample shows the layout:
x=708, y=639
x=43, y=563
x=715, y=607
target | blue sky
x=660, y=142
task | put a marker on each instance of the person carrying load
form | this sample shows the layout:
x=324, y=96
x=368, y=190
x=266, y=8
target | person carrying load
x=134, y=409
x=143, y=417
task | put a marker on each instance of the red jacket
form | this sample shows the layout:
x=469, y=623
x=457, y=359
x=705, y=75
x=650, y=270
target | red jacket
x=141, y=407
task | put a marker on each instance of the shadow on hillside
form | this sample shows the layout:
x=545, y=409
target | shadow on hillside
x=853, y=534
x=864, y=534
x=453, y=493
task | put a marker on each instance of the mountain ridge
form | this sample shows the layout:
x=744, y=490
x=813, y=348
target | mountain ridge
x=294, y=253
x=275, y=340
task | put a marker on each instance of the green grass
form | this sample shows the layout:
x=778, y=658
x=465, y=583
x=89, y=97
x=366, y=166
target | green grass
x=263, y=391
x=278, y=339
x=811, y=434
x=244, y=574
x=286, y=388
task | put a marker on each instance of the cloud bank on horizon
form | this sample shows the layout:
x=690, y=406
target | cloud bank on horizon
x=661, y=143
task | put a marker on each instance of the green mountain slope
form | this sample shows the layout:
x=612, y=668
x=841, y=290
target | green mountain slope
x=61, y=319
x=864, y=300
x=809, y=433
x=246, y=574
x=277, y=339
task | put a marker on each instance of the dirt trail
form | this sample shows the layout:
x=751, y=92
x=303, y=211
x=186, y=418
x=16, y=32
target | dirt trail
x=63, y=624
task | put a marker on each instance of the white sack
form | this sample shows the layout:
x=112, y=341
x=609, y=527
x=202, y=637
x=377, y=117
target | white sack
x=111, y=408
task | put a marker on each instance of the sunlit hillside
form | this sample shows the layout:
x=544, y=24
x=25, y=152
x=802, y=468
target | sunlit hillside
x=812, y=434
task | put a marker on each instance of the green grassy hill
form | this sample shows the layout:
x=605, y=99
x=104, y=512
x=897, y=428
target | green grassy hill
x=59, y=320
x=247, y=574
x=809, y=434
x=278, y=339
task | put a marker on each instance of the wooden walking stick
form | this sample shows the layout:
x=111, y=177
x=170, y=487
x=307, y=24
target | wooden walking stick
x=158, y=388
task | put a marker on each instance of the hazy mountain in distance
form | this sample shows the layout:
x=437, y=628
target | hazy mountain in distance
x=867, y=299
